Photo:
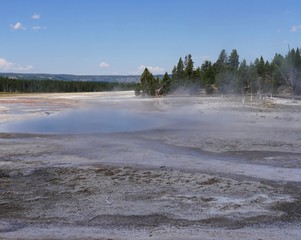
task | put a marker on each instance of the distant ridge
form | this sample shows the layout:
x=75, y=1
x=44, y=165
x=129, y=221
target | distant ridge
x=70, y=77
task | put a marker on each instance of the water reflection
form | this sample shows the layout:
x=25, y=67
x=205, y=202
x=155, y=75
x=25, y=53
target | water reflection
x=85, y=121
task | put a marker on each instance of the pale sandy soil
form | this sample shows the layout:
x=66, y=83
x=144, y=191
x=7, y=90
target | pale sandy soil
x=174, y=168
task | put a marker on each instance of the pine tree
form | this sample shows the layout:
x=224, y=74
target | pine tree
x=208, y=76
x=222, y=76
x=233, y=61
x=180, y=70
x=278, y=71
x=221, y=62
x=260, y=67
x=188, y=72
x=166, y=84
x=174, y=73
x=147, y=83
x=243, y=80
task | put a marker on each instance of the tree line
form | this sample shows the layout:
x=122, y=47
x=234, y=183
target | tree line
x=228, y=75
x=42, y=86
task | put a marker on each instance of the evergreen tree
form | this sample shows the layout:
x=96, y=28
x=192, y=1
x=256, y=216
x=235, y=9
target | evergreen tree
x=166, y=84
x=221, y=62
x=188, y=71
x=138, y=89
x=197, y=77
x=180, y=69
x=297, y=60
x=229, y=75
x=233, y=61
x=146, y=80
x=208, y=76
x=149, y=84
x=244, y=78
x=223, y=77
x=178, y=73
x=174, y=73
x=33, y=86
x=278, y=71
x=297, y=66
x=260, y=67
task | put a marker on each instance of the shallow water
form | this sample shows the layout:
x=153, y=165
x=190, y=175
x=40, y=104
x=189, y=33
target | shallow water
x=105, y=115
x=86, y=121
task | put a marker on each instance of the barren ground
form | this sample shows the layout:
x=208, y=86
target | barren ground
x=125, y=167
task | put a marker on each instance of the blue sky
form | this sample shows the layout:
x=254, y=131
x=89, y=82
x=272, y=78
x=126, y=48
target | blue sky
x=123, y=36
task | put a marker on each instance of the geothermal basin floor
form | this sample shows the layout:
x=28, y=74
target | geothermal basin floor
x=116, y=166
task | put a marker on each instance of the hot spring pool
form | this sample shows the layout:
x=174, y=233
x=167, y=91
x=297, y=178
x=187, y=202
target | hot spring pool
x=87, y=121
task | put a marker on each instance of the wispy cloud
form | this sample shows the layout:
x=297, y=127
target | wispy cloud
x=6, y=65
x=104, y=65
x=296, y=28
x=17, y=26
x=154, y=70
x=23, y=68
x=36, y=16
x=36, y=28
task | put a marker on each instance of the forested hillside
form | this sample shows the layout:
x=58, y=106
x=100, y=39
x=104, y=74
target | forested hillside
x=75, y=78
x=38, y=86
x=228, y=75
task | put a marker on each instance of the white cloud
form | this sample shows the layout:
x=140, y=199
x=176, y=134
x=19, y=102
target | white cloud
x=5, y=65
x=23, y=68
x=17, y=26
x=36, y=28
x=9, y=66
x=36, y=16
x=153, y=70
x=296, y=28
x=104, y=65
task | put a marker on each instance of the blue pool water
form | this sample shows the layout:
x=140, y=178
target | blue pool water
x=85, y=121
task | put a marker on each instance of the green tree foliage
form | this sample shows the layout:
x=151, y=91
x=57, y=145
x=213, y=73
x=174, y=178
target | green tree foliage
x=222, y=77
x=180, y=70
x=277, y=72
x=297, y=69
x=221, y=62
x=166, y=84
x=245, y=78
x=261, y=71
x=138, y=89
x=260, y=67
x=148, y=83
x=233, y=61
x=178, y=74
x=43, y=86
x=228, y=74
x=264, y=78
x=197, y=77
x=188, y=67
x=185, y=76
x=294, y=70
x=207, y=76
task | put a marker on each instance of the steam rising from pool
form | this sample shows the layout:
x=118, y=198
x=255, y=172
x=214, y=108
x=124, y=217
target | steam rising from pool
x=121, y=113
